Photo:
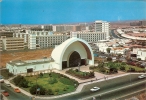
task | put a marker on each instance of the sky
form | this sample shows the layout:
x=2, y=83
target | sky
x=70, y=11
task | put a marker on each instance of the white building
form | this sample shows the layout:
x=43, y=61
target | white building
x=102, y=26
x=71, y=53
x=89, y=36
x=20, y=67
x=44, y=41
x=141, y=54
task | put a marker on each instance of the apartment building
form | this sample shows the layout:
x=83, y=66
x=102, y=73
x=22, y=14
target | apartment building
x=89, y=36
x=102, y=26
x=13, y=43
x=44, y=41
x=66, y=28
x=6, y=33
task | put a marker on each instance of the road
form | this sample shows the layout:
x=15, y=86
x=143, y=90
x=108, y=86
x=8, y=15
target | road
x=13, y=95
x=113, y=34
x=108, y=85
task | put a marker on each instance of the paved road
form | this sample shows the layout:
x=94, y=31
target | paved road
x=12, y=94
x=113, y=34
x=108, y=85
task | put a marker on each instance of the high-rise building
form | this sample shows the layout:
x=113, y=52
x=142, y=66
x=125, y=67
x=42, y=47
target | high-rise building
x=102, y=26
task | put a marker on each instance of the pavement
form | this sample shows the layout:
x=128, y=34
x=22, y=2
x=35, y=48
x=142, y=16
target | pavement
x=98, y=78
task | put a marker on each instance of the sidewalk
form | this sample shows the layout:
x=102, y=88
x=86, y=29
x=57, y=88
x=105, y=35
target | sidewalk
x=98, y=78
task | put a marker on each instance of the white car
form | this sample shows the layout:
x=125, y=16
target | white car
x=94, y=89
x=142, y=76
x=1, y=80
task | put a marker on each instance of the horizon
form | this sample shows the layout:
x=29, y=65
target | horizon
x=26, y=12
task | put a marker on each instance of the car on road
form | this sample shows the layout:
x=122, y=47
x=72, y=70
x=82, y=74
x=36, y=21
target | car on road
x=142, y=76
x=17, y=90
x=5, y=93
x=95, y=89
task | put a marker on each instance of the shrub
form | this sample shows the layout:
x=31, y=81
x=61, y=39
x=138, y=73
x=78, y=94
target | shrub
x=122, y=68
x=41, y=74
x=56, y=90
x=50, y=92
x=77, y=70
x=20, y=81
x=33, y=90
x=52, y=80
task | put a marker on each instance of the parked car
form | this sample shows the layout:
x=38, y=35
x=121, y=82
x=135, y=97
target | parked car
x=7, y=84
x=95, y=89
x=1, y=80
x=17, y=90
x=5, y=93
x=142, y=76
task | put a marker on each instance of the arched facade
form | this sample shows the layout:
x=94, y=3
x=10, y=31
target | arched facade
x=63, y=54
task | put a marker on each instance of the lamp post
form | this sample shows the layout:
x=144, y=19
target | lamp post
x=79, y=66
x=36, y=84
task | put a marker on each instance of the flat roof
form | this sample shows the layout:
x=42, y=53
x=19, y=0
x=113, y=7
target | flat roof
x=30, y=62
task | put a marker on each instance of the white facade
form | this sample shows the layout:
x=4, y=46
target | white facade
x=102, y=26
x=89, y=36
x=20, y=67
x=68, y=47
x=141, y=54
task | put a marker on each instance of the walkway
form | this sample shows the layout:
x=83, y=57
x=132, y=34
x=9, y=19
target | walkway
x=98, y=78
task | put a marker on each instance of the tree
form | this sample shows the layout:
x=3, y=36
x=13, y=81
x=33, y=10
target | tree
x=108, y=50
x=109, y=59
x=33, y=89
x=20, y=81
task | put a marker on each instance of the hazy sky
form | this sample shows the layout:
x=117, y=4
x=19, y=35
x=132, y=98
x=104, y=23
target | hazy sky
x=70, y=11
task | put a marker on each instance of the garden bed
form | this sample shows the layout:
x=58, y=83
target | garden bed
x=79, y=74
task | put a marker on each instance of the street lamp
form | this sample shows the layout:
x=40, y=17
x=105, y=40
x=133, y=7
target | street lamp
x=79, y=66
x=36, y=84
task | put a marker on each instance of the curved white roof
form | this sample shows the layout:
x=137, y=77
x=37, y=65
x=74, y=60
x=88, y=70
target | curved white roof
x=58, y=52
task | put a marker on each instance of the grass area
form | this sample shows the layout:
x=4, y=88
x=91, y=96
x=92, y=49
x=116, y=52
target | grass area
x=61, y=86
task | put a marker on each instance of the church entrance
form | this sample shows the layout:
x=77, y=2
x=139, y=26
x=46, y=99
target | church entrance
x=74, y=59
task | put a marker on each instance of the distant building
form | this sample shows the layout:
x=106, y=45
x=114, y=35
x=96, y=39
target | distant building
x=66, y=28
x=89, y=36
x=143, y=23
x=13, y=43
x=6, y=33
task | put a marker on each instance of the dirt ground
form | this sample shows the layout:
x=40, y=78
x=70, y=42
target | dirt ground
x=23, y=55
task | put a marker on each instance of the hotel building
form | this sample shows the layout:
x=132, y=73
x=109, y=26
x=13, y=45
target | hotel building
x=13, y=43
x=102, y=26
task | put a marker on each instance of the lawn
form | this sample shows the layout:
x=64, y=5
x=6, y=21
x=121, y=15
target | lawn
x=61, y=86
